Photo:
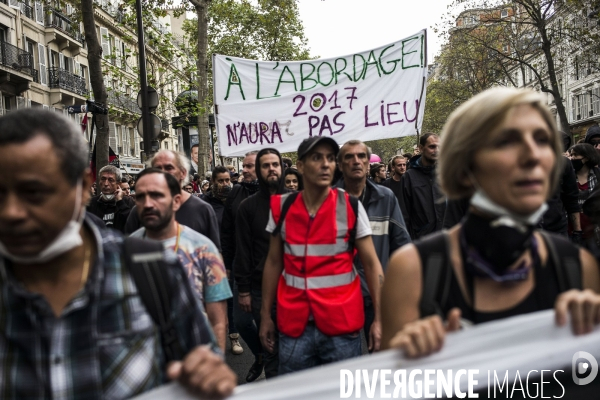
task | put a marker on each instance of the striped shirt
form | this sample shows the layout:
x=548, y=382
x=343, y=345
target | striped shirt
x=104, y=344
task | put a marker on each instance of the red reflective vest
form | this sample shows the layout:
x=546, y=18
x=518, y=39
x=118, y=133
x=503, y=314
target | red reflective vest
x=318, y=276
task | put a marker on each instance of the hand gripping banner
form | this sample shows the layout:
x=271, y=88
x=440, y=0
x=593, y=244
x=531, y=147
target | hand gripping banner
x=374, y=94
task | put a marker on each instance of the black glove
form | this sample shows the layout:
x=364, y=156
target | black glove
x=577, y=238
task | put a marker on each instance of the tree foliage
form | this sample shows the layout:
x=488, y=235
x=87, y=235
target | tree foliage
x=524, y=42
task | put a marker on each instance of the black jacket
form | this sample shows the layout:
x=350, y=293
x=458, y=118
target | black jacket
x=113, y=213
x=217, y=205
x=252, y=239
x=235, y=198
x=563, y=202
x=423, y=205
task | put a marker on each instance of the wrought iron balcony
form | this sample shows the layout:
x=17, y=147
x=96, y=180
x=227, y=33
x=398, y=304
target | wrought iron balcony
x=56, y=19
x=15, y=58
x=123, y=101
x=27, y=10
x=63, y=79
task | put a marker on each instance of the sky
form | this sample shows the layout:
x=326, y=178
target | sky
x=342, y=27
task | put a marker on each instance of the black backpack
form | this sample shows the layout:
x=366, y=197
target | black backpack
x=144, y=259
x=436, y=280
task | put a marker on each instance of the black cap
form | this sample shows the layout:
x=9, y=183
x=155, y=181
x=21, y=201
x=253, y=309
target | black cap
x=308, y=144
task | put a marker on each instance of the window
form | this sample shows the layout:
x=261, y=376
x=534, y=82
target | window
x=504, y=14
x=583, y=103
x=596, y=101
x=4, y=34
x=125, y=139
x=105, y=42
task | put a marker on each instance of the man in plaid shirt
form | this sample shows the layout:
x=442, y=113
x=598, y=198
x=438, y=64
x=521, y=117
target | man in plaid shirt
x=72, y=324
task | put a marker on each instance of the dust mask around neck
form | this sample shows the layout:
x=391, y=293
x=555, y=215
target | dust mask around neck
x=67, y=239
x=504, y=217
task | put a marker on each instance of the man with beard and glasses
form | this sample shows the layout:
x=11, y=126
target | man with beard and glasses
x=74, y=324
x=112, y=205
x=423, y=204
x=194, y=212
x=253, y=243
x=243, y=321
x=158, y=197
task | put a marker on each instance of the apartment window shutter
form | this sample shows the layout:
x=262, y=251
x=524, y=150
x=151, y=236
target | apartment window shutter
x=39, y=12
x=117, y=52
x=105, y=42
x=42, y=58
x=112, y=135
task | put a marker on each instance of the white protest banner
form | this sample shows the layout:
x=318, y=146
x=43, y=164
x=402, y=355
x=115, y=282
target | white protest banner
x=374, y=94
x=497, y=358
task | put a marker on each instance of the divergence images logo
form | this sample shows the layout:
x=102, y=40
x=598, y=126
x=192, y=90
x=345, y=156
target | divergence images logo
x=580, y=367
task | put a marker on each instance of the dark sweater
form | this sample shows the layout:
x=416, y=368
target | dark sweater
x=238, y=194
x=252, y=241
x=217, y=205
x=113, y=213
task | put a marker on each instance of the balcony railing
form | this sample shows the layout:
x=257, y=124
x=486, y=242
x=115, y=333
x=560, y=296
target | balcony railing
x=27, y=10
x=15, y=58
x=55, y=19
x=123, y=101
x=63, y=79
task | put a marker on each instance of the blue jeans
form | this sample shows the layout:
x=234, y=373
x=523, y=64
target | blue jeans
x=314, y=348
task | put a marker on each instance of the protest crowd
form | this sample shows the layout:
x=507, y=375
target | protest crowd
x=112, y=288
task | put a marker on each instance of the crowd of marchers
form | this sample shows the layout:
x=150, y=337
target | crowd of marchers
x=112, y=288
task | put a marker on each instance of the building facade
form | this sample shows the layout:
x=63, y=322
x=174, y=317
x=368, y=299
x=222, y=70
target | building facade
x=44, y=63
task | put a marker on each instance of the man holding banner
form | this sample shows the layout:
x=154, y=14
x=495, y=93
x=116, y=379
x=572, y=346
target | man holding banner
x=309, y=268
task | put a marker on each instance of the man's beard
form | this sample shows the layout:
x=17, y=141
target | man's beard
x=161, y=222
x=274, y=184
x=429, y=160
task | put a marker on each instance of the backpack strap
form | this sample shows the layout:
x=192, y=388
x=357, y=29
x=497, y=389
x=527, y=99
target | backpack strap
x=147, y=265
x=354, y=204
x=287, y=203
x=433, y=252
x=565, y=258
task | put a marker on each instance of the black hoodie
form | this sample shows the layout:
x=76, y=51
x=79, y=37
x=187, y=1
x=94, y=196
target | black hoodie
x=252, y=239
x=423, y=204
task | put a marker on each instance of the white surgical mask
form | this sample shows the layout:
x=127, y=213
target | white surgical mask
x=67, y=239
x=107, y=197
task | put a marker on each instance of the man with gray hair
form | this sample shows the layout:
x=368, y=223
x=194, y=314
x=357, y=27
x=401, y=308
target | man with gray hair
x=112, y=206
x=194, y=212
